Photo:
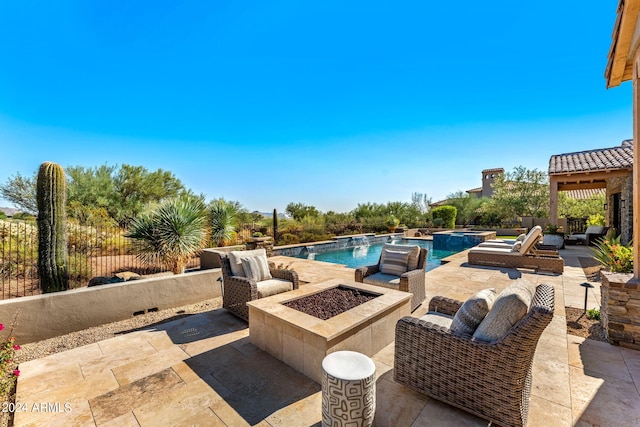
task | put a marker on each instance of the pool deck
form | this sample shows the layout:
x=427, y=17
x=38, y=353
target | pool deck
x=203, y=370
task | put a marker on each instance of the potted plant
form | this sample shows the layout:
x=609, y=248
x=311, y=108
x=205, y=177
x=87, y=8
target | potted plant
x=392, y=223
x=553, y=237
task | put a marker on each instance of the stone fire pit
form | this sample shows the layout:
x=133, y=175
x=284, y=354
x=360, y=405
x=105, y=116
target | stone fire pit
x=302, y=341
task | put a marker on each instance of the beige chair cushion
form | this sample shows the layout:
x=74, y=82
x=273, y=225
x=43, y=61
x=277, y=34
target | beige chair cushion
x=412, y=250
x=438, y=319
x=256, y=268
x=395, y=262
x=472, y=312
x=236, y=257
x=384, y=280
x=511, y=305
x=266, y=288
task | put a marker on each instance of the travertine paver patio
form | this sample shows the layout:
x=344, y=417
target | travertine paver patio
x=202, y=370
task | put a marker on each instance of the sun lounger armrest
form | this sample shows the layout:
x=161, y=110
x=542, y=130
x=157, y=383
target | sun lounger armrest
x=444, y=305
x=363, y=272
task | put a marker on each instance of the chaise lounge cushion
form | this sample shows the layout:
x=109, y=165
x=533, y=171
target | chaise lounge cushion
x=394, y=263
x=472, y=312
x=236, y=257
x=511, y=305
x=412, y=250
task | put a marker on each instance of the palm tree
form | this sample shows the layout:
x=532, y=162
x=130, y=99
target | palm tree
x=222, y=221
x=170, y=234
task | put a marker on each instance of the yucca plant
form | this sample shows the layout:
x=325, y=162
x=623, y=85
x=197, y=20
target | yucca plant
x=170, y=234
x=222, y=222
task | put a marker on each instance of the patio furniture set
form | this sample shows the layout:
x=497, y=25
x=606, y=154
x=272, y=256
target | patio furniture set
x=475, y=355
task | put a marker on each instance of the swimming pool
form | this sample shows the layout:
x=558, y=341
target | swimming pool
x=361, y=256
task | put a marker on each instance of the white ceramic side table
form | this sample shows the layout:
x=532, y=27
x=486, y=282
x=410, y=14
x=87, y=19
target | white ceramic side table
x=348, y=390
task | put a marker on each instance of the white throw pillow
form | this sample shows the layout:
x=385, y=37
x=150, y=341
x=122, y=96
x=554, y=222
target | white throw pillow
x=236, y=257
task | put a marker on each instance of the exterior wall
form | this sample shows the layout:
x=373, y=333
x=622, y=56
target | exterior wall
x=620, y=311
x=624, y=186
x=52, y=315
x=488, y=178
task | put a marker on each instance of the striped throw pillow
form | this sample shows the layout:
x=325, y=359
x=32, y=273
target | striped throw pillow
x=395, y=263
x=256, y=268
x=471, y=313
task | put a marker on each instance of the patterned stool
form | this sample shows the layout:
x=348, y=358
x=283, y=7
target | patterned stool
x=348, y=390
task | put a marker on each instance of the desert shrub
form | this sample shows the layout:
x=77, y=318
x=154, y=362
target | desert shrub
x=8, y=369
x=19, y=249
x=80, y=270
x=447, y=214
x=288, y=239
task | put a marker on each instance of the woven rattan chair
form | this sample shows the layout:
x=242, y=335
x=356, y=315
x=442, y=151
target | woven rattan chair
x=238, y=290
x=491, y=380
x=412, y=281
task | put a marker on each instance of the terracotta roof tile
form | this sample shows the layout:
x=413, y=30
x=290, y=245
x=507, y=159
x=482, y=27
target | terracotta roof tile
x=620, y=157
x=585, y=193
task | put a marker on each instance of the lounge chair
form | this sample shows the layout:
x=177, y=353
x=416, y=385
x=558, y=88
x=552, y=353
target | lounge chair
x=588, y=238
x=412, y=279
x=491, y=379
x=247, y=276
x=523, y=255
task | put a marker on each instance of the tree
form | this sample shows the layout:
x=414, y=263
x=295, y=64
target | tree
x=523, y=192
x=21, y=191
x=468, y=207
x=135, y=187
x=299, y=210
x=569, y=207
x=170, y=234
x=421, y=201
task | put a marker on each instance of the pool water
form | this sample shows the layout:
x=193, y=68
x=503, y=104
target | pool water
x=368, y=255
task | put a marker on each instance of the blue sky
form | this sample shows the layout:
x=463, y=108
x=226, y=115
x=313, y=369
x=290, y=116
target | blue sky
x=328, y=103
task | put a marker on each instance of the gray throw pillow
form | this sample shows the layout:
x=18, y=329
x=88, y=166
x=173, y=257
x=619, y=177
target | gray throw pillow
x=256, y=268
x=472, y=312
x=395, y=263
x=511, y=305
x=236, y=257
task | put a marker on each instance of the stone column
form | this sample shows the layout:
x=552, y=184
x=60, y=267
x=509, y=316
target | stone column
x=620, y=310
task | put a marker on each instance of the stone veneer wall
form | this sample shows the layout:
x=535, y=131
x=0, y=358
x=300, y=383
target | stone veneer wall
x=624, y=186
x=620, y=309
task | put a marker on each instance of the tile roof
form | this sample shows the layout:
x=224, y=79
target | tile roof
x=620, y=157
x=585, y=194
x=475, y=190
x=493, y=170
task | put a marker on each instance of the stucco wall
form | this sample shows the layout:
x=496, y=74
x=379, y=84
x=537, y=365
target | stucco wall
x=50, y=315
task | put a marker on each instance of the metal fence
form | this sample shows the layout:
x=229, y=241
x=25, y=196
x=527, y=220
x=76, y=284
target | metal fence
x=93, y=251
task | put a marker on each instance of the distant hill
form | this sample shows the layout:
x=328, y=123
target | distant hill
x=9, y=211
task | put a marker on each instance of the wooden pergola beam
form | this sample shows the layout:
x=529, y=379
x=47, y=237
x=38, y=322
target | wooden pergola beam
x=620, y=66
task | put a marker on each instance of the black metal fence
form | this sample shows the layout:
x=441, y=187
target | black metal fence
x=93, y=251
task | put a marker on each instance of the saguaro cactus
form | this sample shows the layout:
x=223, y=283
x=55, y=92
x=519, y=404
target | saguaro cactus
x=275, y=227
x=51, y=195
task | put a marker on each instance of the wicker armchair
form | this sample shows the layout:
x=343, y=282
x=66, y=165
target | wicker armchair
x=412, y=281
x=491, y=380
x=238, y=290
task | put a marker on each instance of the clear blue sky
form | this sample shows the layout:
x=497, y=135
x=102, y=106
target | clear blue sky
x=330, y=103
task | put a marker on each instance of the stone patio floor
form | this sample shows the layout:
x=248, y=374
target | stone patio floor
x=203, y=370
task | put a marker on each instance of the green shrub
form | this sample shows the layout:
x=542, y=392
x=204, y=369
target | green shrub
x=615, y=256
x=447, y=214
x=596, y=219
x=593, y=313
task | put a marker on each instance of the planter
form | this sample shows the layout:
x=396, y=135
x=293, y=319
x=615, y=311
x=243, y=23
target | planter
x=553, y=239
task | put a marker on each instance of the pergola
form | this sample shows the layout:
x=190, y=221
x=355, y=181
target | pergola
x=605, y=168
x=624, y=65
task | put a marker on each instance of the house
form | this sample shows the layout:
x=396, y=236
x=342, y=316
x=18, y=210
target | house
x=586, y=171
